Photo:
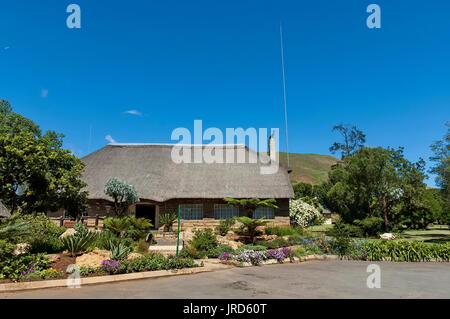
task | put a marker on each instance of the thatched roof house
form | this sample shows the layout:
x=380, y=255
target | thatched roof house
x=4, y=212
x=199, y=188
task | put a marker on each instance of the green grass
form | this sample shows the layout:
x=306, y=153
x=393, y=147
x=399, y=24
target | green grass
x=308, y=168
x=434, y=234
x=320, y=228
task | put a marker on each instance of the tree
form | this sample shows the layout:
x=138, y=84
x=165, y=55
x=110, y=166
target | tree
x=441, y=168
x=250, y=204
x=122, y=194
x=354, y=139
x=250, y=226
x=36, y=174
x=375, y=182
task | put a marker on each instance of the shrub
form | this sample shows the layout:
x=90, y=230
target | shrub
x=119, y=252
x=6, y=249
x=112, y=267
x=40, y=227
x=303, y=214
x=275, y=243
x=295, y=240
x=281, y=231
x=251, y=256
x=191, y=252
x=378, y=250
x=150, y=262
x=77, y=244
x=84, y=271
x=48, y=245
x=204, y=240
x=16, y=267
x=50, y=274
x=219, y=250
x=225, y=226
x=370, y=226
x=142, y=246
x=343, y=229
x=251, y=247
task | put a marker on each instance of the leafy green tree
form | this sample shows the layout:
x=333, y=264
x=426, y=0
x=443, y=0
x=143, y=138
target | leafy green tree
x=423, y=210
x=36, y=174
x=250, y=204
x=375, y=182
x=123, y=195
x=354, y=139
x=441, y=168
x=441, y=158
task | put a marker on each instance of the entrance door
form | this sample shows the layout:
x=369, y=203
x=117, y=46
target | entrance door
x=148, y=212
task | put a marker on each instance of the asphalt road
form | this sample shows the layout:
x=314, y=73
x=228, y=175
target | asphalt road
x=313, y=279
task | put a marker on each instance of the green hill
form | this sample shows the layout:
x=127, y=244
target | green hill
x=308, y=168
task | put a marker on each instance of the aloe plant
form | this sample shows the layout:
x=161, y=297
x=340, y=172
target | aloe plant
x=119, y=251
x=78, y=243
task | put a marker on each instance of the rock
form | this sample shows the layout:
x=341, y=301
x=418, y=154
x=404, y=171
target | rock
x=223, y=240
x=68, y=232
x=388, y=236
x=92, y=259
x=53, y=257
x=266, y=237
x=21, y=249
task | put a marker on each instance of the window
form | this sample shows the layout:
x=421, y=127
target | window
x=264, y=212
x=191, y=211
x=224, y=211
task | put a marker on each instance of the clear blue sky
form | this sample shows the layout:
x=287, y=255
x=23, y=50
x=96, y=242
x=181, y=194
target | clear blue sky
x=219, y=61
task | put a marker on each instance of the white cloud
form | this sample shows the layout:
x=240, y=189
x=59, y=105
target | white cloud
x=110, y=139
x=133, y=112
x=44, y=93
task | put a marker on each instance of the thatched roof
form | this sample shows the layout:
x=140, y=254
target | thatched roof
x=4, y=212
x=150, y=169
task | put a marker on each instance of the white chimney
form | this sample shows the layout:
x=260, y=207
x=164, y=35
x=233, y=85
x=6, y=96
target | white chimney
x=273, y=147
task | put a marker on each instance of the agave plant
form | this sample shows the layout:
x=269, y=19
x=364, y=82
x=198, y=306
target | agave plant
x=119, y=251
x=78, y=243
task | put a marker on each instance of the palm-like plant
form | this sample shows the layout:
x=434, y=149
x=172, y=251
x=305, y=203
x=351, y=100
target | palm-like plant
x=250, y=204
x=250, y=226
x=167, y=220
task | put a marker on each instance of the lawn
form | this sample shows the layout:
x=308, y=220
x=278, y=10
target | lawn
x=434, y=234
x=320, y=228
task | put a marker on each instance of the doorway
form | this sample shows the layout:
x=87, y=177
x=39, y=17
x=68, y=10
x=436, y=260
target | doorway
x=148, y=212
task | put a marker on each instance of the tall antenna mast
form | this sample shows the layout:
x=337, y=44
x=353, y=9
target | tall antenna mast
x=284, y=95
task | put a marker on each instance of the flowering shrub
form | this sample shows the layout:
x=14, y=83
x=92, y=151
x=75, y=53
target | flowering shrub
x=225, y=256
x=303, y=214
x=251, y=256
x=111, y=266
x=256, y=257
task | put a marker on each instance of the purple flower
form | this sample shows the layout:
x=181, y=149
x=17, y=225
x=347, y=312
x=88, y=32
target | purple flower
x=225, y=256
x=111, y=266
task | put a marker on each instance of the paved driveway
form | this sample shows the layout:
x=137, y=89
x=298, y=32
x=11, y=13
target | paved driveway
x=313, y=279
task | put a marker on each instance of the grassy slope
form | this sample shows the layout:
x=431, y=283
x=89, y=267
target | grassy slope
x=308, y=168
